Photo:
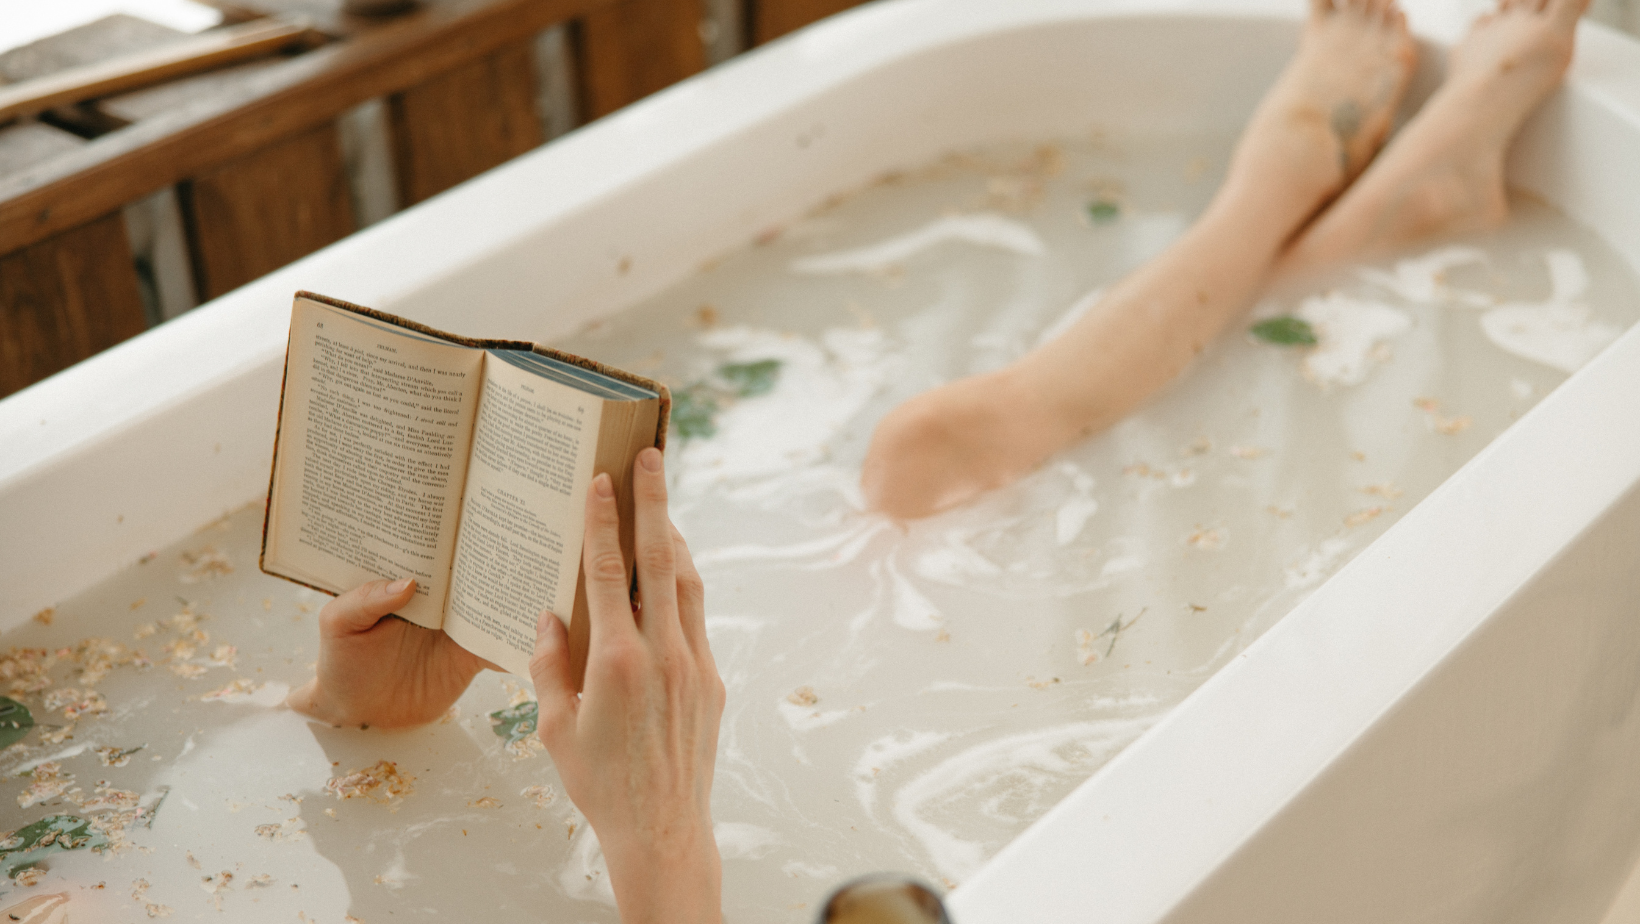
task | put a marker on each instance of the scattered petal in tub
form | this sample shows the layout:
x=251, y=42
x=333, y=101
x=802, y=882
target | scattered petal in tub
x=1013, y=193
x=802, y=696
x=540, y=796
x=287, y=830
x=49, y=782
x=203, y=564
x=485, y=802
x=1349, y=333
x=45, y=616
x=983, y=229
x=1035, y=684
x=214, y=886
x=380, y=782
x=242, y=690
x=1385, y=489
x=1450, y=426
x=1087, y=651
x=1363, y=516
x=1248, y=453
x=1207, y=539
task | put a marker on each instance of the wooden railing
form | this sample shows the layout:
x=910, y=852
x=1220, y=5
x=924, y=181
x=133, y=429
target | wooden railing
x=121, y=212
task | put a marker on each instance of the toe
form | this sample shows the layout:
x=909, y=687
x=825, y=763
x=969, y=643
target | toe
x=1320, y=8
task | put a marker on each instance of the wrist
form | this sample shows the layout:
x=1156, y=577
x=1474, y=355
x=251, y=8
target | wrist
x=667, y=879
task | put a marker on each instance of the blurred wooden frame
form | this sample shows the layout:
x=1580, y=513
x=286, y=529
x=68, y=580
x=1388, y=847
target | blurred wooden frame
x=215, y=48
x=253, y=153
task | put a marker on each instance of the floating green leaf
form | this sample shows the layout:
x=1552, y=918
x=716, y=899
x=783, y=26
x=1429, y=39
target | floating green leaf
x=1285, y=330
x=515, y=723
x=15, y=721
x=693, y=413
x=28, y=845
x=1103, y=211
x=749, y=380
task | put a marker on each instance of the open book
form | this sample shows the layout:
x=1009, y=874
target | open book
x=406, y=452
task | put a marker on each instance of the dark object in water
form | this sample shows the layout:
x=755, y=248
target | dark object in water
x=883, y=899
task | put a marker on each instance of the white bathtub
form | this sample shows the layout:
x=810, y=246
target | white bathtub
x=1448, y=730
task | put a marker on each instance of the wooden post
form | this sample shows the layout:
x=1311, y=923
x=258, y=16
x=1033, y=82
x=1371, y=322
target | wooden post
x=253, y=214
x=631, y=48
x=464, y=121
x=64, y=299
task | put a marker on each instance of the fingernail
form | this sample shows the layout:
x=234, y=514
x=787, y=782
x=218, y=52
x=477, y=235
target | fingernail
x=400, y=586
x=650, y=459
x=603, y=487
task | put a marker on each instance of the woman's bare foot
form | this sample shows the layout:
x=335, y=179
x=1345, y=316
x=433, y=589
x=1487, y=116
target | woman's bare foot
x=1315, y=130
x=1336, y=98
x=1443, y=173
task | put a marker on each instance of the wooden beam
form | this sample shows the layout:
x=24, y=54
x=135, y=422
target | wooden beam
x=307, y=90
x=192, y=55
x=465, y=121
x=253, y=214
x=64, y=299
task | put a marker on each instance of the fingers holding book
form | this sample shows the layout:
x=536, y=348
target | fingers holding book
x=636, y=748
x=379, y=671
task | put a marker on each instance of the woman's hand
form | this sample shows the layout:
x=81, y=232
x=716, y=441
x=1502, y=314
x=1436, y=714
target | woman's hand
x=636, y=748
x=377, y=670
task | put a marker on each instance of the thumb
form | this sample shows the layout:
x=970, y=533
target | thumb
x=556, y=702
x=362, y=607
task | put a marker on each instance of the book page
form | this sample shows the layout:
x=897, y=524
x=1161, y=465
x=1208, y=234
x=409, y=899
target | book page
x=523, y=514
x=372, y=456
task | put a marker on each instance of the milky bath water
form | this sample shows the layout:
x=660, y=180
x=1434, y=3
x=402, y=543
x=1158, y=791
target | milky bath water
x=901, y=697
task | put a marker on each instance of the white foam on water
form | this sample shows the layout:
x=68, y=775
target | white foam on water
x=983, y=229
x=1562, y=332
x=1422, y=279
x=1348, y=330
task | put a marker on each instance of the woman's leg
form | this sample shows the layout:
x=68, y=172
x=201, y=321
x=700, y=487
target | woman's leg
x=1315, y=130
